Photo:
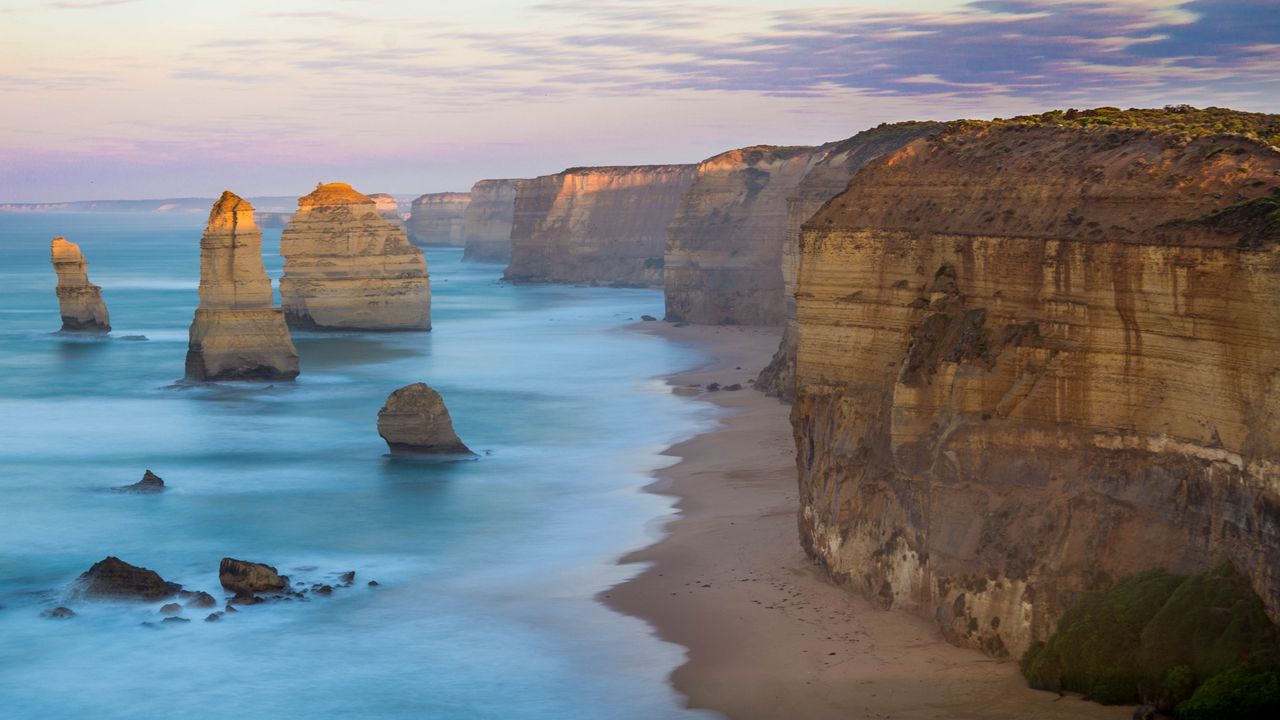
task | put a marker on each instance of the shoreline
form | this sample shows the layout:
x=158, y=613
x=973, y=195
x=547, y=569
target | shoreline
x=766, y=634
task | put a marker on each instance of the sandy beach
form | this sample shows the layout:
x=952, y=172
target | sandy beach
x=768, y=636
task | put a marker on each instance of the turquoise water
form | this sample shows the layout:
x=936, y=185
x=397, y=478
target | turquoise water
x=487, y=568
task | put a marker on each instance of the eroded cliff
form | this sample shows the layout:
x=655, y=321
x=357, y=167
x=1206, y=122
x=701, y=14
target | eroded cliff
x=723, y=257
x=389, y=208
x=486, y=225
x=79, y=301
x=238, y=333
x=1040, y=355
x=596, y=225
x=437, y=218
x=828, y=178
x=347, y=268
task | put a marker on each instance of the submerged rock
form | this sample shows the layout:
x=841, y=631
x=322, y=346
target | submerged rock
x=115, y=579
x=150, y=483
x=60, y=613
x=202, y=600
x=171, y=609
x=238, y=333
x=213, y=617
x=79, y=300
x=174, y=620
x=246, y=578
x=415, y=420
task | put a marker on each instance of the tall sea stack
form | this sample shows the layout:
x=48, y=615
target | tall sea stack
x=437, y=219
x=347, y=268
x=1039, y=355
x=486, y=225
x=596, y=225
x=238, y=333
x=79, y=301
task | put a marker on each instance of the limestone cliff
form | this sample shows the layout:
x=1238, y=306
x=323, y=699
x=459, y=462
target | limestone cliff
x=1036, y=356
x=80, y=301
x=238, y=333
x=486, y=226
x=723, y=258
x=596, y=225
x=437, y=218
x=389, y=209
x=828, y=178
x=347, y=268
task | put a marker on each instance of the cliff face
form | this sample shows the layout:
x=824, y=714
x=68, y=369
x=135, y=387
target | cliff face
x=237, y=332
x=1033, y=360
x=347, y=268
x=389, y=209
x=599, y=225
x=724, y=248
x=486, y=225
x=80, y=301
x=828, y=178
x=436, y=218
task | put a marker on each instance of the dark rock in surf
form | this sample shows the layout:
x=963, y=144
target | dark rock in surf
x=115, y=579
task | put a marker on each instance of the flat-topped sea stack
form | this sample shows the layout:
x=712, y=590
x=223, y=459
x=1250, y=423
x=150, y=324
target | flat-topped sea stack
x=347, y=268
x=1039, y=355
x=828, y=178
x=596, y=225
x=437, y=219
x=486, y=225
x=79, y=301
x=415, y=421
x=238, y=333
x=389, y=209
x=723, y=259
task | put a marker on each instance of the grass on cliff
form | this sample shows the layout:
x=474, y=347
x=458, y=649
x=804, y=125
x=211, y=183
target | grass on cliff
x=1201, y=646
x=1176, y=119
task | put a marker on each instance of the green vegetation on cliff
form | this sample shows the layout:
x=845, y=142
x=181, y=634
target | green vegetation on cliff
x=1202, y=646
x=1182, y=120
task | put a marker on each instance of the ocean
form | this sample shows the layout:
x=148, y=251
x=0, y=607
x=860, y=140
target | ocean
x=487, y=568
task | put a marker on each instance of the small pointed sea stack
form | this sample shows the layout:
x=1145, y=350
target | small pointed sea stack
x=347, y=268
x=238, y=333
x=415, y=421
x=80, y=301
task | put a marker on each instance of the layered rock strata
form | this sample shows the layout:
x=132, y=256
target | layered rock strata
x=79, y=301
x=1034, y=358
x=596, y=225
x=828, y=178
x=348, y=268
x=389, y=209
x=437, y=219
x=414, y=420
x=238, y=333
x=723, y=258
x=486, y=225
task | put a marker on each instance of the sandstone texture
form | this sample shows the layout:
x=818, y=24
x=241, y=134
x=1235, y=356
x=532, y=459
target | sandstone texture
x=389, y=209
x=486, y=225
x=1036, y=356
x=414, y=420
x=437, y=219
x=596, y=225
x=348, y=268
x=79, y=300
x=828, y=178
x=238, y=333
x=115, y=579
x=723, y=259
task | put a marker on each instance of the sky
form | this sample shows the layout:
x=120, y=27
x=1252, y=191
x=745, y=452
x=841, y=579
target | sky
x=131, y=99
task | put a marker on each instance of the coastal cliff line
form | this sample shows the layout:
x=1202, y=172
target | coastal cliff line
x=347, y=268
x=437, y=219
x=486, y=224
x=1038, y=355
x=596, y=225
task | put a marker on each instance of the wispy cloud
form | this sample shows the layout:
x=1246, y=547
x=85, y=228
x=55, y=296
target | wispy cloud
x=89, y=4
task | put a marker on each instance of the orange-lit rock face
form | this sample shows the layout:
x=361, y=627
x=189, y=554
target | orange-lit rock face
x=437, y=219
x=1034, y=360
x=486, y=225
x=389, y=209
x=828, y=178
x=723, y=259
x=238, y=333
x=80, y=301
x=602, y=226
x=346, y=267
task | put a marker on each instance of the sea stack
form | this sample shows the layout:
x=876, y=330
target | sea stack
x=388, y=208
x=486, y=225
x=437, y=219
x=347, y=268
x=1039, y=355
x=415, y=421
x=79, y=300
x=596, y=225
x=238, y=333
